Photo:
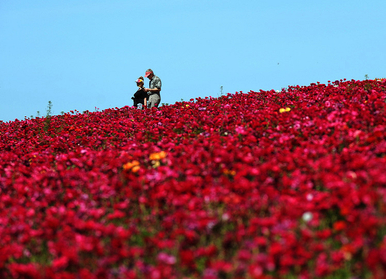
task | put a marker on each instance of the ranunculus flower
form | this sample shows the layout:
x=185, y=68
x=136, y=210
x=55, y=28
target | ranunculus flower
x=257, y=184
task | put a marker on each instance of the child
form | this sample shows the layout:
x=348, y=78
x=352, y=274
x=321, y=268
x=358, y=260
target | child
x=140, y=97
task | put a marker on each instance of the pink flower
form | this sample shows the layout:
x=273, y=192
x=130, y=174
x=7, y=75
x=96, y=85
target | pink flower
x=166, y=259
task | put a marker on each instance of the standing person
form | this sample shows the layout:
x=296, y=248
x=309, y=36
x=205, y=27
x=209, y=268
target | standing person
x=140, y=97
x=154, y=90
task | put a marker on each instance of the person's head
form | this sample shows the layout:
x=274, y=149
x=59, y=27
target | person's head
x=149, y=73
x=139, y=81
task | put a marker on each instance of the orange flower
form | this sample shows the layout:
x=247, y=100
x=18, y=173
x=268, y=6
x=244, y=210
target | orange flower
x=132, y=166
x=348, y=250
x=135, y=169
x=229, y=172
x=157, y=156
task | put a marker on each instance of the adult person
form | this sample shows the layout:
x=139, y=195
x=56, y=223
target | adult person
x=154, y=90
x=140, y=96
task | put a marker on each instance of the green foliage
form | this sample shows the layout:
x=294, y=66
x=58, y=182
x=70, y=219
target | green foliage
x=47, y=121
x=49, y=109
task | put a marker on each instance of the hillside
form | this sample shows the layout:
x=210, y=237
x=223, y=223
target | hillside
x=248, y=185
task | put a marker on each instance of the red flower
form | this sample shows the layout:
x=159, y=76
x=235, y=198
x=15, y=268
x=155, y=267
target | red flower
x=244, y=185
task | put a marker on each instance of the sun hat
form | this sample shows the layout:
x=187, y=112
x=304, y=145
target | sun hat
x=148, y=72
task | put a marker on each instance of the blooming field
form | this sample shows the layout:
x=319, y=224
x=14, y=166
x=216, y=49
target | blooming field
x=266, y=184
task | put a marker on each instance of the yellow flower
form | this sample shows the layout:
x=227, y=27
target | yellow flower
x=284, y=110
x=156, y=164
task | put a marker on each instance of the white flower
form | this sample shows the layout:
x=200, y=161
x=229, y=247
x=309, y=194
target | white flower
x=225, y=217
x=307, y=216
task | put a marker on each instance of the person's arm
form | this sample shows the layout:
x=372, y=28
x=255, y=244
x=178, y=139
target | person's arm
x=152, y=90
x=156, y=84
x=145, y=102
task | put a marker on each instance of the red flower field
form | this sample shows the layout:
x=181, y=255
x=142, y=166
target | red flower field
x=265, y=184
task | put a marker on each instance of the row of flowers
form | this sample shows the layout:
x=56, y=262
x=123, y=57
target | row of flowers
x=249, y=185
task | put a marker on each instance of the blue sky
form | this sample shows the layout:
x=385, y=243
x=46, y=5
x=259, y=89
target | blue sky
x=86, y=54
